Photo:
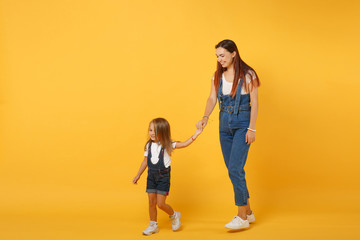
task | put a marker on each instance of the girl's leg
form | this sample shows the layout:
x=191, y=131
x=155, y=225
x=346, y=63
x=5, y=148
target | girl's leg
x=152, y=206
x=163, y=206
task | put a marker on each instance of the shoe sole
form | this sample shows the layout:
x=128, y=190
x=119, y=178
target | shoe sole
x=237, y=228
x=156, y=231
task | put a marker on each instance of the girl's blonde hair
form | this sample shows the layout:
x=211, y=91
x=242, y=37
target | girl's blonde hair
x=162, y=134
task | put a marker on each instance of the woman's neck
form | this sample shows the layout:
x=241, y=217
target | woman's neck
x=230, y=69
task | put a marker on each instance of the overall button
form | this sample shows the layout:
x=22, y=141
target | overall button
x=230, y=109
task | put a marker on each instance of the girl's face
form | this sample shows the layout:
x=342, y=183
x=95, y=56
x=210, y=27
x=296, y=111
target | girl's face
x=152, y=132
x=224, y=57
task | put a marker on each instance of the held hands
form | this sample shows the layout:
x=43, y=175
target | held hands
x=202, y=123
x=197, y=132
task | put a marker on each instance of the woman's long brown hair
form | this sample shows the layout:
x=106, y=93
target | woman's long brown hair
x=162, y=134
x=240, y=67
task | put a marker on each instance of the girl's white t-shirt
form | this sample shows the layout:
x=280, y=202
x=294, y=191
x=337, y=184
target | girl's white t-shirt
x=227, y=86
x=155, y=151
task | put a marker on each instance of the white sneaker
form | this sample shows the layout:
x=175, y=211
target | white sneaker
x=176, y=221
x=237, y=223
x=251, y=218
x=152, y=228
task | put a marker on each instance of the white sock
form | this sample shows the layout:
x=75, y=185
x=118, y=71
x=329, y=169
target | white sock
x=153, y=222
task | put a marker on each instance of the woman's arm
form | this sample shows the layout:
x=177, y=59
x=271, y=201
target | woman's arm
x=250, y=135
x=141, y=170
x=189, y=141
x=210, y=104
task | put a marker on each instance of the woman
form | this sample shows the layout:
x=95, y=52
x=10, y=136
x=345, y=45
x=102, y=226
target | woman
x=235, y=84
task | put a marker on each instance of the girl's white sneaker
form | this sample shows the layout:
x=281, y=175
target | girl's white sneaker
x=176, y=223
x=152, y=228
x=237, y=223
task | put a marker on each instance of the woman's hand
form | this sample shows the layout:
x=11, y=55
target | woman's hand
x=250, y=137
x=202, y=123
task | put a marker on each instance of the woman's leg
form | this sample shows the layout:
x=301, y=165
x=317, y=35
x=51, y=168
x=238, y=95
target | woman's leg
x=248, y=209
x=163, y=206
x=152, y=206
x=236, y=165
x=243, y=211
x=226, y=141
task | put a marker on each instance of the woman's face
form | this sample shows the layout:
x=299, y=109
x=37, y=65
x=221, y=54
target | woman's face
x=224, y=57
x=152, y=132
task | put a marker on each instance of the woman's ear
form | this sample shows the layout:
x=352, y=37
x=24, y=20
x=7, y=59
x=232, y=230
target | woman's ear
x=233, y=54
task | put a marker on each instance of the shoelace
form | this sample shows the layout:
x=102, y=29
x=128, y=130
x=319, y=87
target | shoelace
x=151, y=226
x=237, y=219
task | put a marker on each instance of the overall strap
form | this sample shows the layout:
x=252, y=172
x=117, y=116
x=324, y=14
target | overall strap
x=219, y=93
x=149, y=151
x=161, y=153
x=161, y=164
x=238, y=97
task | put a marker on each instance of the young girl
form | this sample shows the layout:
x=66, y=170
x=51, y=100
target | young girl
x=157, y=158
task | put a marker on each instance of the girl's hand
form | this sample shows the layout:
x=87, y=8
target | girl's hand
x=197, y=132
x=250, y=137
x=136, y=179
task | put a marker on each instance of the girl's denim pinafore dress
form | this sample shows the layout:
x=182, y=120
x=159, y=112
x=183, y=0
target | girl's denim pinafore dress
x=158, y=180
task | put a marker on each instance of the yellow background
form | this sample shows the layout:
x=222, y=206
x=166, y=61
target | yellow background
x=80, y=81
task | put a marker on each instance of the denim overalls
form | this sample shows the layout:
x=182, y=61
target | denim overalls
x=158, y=180
x=234, y=119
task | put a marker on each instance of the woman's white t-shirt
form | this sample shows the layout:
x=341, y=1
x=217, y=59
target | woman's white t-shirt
x=227, y=86
x=155, y=151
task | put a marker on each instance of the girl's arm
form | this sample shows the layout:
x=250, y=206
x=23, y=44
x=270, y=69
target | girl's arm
x=141, y=170
x=250, y=135
x=210, y=104
x=189, y=141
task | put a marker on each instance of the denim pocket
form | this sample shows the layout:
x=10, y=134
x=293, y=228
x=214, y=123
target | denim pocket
x=164, y=173
x=241, y=120
x=244, y=116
